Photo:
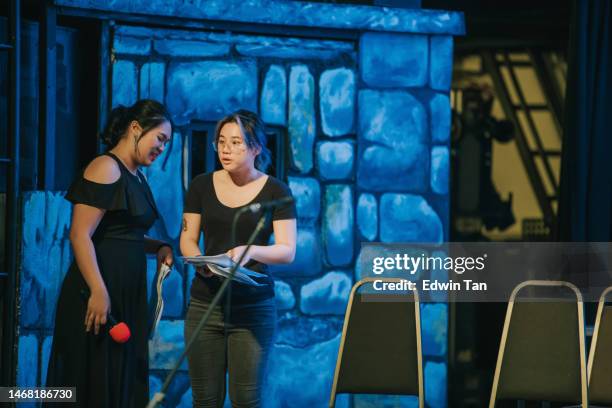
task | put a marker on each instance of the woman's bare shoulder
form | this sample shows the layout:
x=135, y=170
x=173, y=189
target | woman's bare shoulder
x=103, y=170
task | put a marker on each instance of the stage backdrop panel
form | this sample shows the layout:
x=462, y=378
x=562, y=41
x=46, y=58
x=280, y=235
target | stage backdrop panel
x=362, y=124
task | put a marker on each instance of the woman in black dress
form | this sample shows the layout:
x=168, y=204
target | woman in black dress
x=241, y=345
x=113, y=209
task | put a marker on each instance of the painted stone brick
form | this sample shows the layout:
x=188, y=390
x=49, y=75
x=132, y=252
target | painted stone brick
x=186, y=400
x=165, y=177
x=125, y=83
x=367, y=216
x=133, y=31
x=386, y=116
x=307, y=256
x=270, y=43
x=382, y=169
x=435, y=382
x=173, y=295
x=44, y=362
x=408, y=218
x=441, y=275
x=439, y=169
x=155, y=384
x=337, y=99
x=27, y=366
x=327, y=295
x=46, y=256
x=285, y=299
x=274, y=96
x=363, y=263
x=152, y=81
x=187, y=48
x=440, y=118
x=441, y=62
x=300, y=331
x=302, y=121
x=208, y=90
x=434, y=325
x=393, y=137
x=286, y=51
x=394, y=60
x=335, y=160
x=175, y=393
x=385, y=401
x=307, y=195
x=167, y=345
x=338, y=225
x=124, y=44
x=291, y=368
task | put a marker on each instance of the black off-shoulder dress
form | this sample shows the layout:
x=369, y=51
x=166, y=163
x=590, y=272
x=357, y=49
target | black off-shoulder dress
x=105, y=373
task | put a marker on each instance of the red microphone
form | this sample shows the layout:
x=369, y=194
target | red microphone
x=120, y=332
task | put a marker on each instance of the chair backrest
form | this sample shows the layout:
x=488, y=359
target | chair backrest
x=542, y=352
x=600, y=355
x=380, y=349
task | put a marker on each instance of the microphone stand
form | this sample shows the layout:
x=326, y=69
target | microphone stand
x=159, y=396
x=264, y=218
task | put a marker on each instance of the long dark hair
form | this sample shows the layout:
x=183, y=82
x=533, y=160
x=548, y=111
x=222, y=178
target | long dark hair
x=147, y=112
x=254, y=133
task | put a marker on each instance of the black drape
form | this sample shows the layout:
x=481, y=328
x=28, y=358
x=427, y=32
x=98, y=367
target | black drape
x=585, y=206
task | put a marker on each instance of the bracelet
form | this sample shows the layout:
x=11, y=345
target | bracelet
x=163, y=244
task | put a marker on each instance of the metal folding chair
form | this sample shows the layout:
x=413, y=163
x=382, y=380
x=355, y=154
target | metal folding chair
x=380, y=350
x=600, y=355
x=542, y=355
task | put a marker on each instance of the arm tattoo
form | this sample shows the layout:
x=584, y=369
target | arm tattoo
x=184, y=224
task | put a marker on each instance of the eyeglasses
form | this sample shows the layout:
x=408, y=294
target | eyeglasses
x=234, y=146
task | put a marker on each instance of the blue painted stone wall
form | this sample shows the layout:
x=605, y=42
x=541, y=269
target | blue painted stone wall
x=368, y=143
x=287, y=81
x=45, y=258
x=291, y=13
x=403, y=167
x=367, y=124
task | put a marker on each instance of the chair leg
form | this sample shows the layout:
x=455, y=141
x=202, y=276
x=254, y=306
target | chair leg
x=332, y=399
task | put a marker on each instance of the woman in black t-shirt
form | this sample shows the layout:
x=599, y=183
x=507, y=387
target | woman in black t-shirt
x=241, y=345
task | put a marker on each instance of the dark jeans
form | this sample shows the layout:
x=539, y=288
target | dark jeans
x=243, y=353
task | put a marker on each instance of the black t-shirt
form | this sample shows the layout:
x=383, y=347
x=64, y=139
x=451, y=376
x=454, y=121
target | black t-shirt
x=216, y=224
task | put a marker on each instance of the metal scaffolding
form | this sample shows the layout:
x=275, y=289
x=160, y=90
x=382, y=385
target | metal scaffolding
x=9, y=273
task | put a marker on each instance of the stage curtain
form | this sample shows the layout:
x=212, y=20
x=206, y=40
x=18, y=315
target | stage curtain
x=585, y=206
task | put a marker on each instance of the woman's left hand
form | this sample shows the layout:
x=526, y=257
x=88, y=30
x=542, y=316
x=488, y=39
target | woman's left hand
x=236, y=253
x=164, y=256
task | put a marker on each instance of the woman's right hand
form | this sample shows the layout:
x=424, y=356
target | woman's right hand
x=98, y=308
x=204, y=271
